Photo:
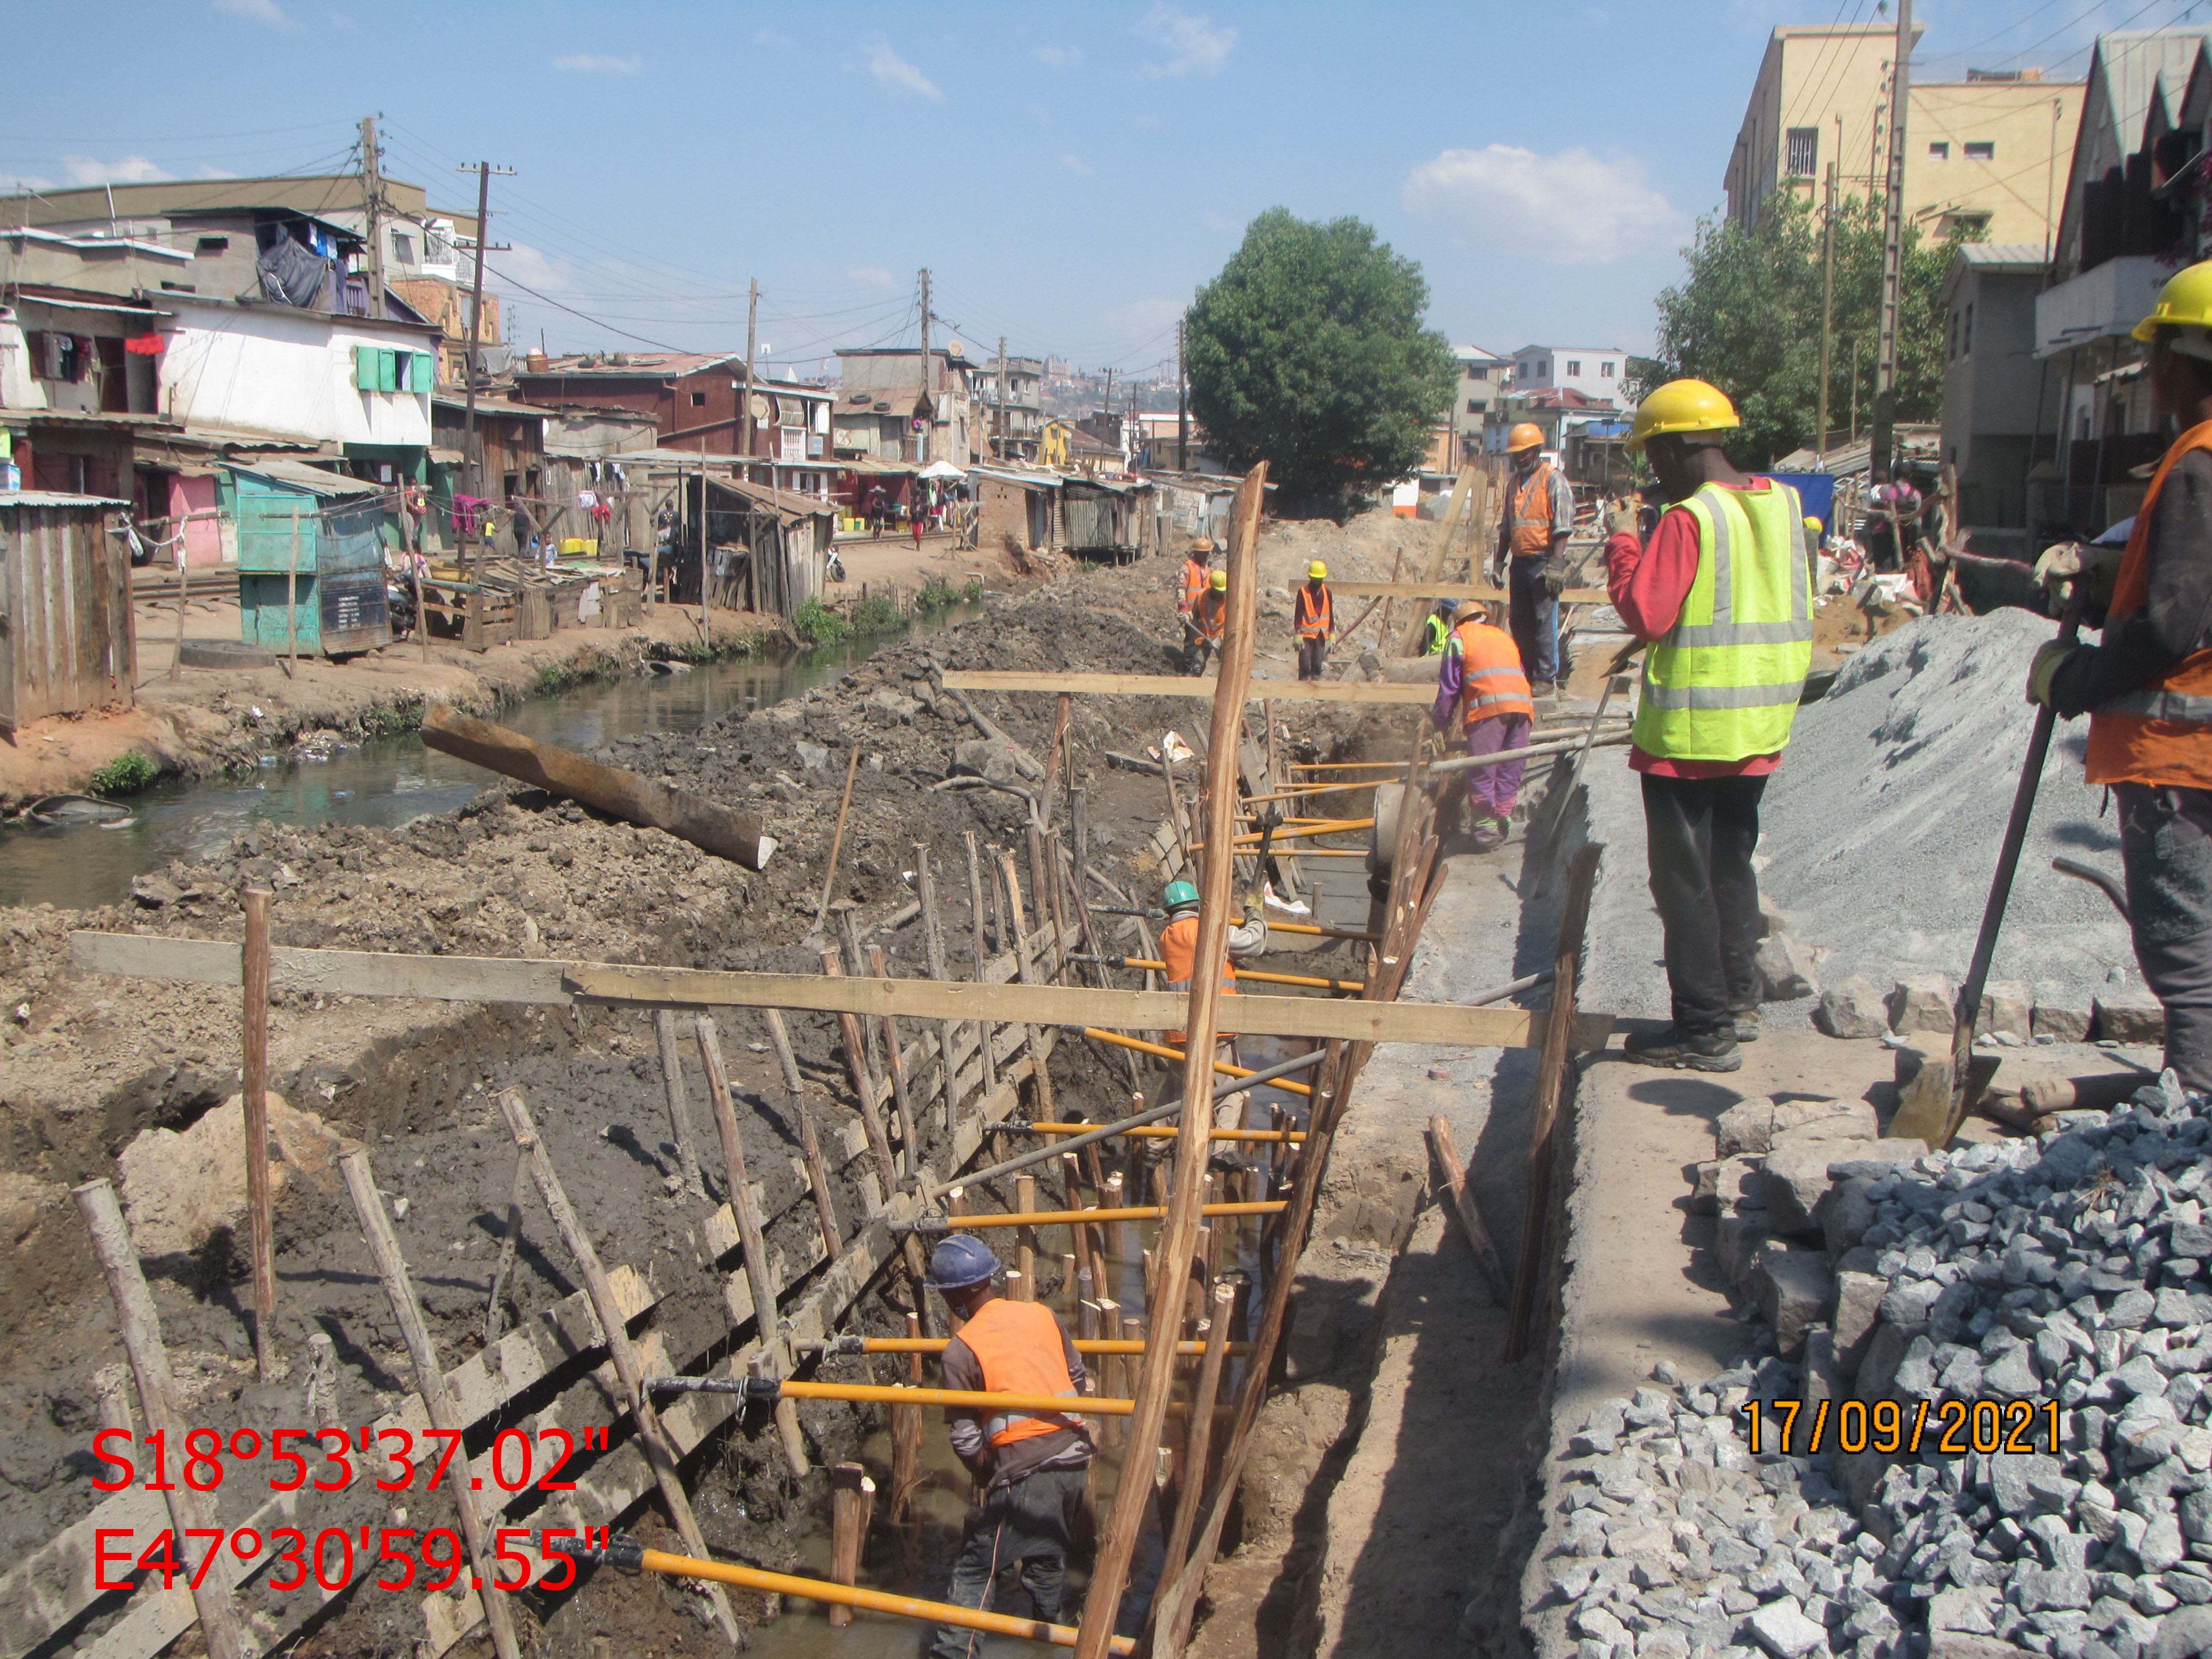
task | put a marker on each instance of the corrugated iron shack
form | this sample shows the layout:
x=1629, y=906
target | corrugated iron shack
x=310, y=560
x=66, y=641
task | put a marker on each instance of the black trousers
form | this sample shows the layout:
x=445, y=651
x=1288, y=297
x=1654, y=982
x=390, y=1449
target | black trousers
x=1313, y=656
x=1700, y=833
x=2166, y=853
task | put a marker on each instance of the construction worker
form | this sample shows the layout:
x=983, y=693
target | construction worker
x=1438, y=627
x=1032, y=1467
x=1195, y=574
x=1722, y=594
x=1532, y=545
x=1179, y=951
x=1314, y=619
x=2147, y=685
x=1210, y=617
x=1481, y=687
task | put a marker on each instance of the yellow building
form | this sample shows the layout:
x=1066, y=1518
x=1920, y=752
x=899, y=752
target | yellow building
x=1053, y=443
x=1987, y=155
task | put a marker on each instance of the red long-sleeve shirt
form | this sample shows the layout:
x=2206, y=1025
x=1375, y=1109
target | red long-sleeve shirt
x=1648, y=583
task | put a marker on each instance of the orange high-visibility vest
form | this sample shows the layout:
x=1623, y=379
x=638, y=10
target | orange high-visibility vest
x=2160, y=734
x=1490, y=679
x=1315, y=618
x=1213, y=614
x=1532, y=536
x=1195, y=580
x=1019, y=1346
x=1179, y=951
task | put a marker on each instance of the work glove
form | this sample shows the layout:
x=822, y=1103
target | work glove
x=1623, y=518
x=1554, y=578
x=2059, y=567
x=2050, y=656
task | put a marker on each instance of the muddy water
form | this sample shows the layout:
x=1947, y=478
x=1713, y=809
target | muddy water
x=388, y=780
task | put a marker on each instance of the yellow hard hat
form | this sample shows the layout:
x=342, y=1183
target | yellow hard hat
x=1317, y=571
x=1814, y=524
x=1525, y=434
x=1220, y=580
x=2186, y=302
x=1682, y=406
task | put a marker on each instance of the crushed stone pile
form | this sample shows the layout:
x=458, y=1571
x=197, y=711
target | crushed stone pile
x=2038, y=1310
x=1882, y=825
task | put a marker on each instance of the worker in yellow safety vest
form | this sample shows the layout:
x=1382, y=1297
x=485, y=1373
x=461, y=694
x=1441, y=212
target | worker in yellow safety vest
x=1314, y=618
x=1179, y=951
x=2147, y=684
x=1437, y=629
x=1723, y=592
x=1031, y=1466
x=1196, y=578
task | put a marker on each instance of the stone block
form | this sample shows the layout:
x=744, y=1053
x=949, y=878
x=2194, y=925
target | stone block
x=1737, y=1244
x=2129, y=1016
x=1857, y=1315
x=2061, y=1021
x=1853, y=1007
x=1781, y=1629
x=1724, y=1181
x=1746, y=1127
x=2007, y=1008
x=1908, y=1062
x=1793, y=1289
x=985, y=757
x=1824, y=1385
x=1884, y=1351
x=1795, y=1177
x=1922, y=1002
x=1784, y=968
x=1837, y=1120
x=1962, y=1644
x=1846, y=1216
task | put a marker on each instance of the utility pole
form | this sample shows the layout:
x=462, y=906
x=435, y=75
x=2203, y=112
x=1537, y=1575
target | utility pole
x=371, y=200
x=1183, y=406
x=1003, y=426
x=745, y=415
x=1827, y=316
x=1893, y=241
x=1855, y=389
x=473, y=458
x=921, y=438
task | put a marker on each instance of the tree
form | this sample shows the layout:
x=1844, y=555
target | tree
x=1308, y=352
x=1747, y=319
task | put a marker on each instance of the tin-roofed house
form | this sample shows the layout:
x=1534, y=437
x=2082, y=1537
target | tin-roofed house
x=310, y=560
x=66, y=640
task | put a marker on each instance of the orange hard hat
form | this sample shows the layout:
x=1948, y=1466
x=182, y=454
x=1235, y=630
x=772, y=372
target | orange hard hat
x=1525, y=434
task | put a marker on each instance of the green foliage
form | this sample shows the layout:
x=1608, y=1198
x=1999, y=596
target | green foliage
x=1308, y=352
x=936, y=595
x=126, y=775
x=817, y=624
x=879, y=613
x=387, y=720
x=552, y=677
x=972, y=594
x=1747, y=319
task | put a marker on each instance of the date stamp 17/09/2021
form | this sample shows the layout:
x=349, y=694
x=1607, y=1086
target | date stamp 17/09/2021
x=1949, y=1428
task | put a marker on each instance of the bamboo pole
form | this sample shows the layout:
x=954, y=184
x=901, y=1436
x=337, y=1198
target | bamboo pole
x=1040, y=1073
x=1112, y=1366
x=1178, y=1233
x=1044, y=894
x=1157, y=1132
x=975, y=929
x=679, y=1109
x=140, y=1326
x=906, y=1434
x=1464, y=1207
x=1216, y=1346
x=510, y=1240
x=909, y=1136
x=940, y=968
x=864, y=1085
x=253, y=1101
x=794, y=1099
x=659, y=1453
x=853, y=1501
x=430, y=1384
x=752, y=1239
x=1026, y=1188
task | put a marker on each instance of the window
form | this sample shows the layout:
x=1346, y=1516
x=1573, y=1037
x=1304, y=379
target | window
x=1802, y=151
x=1476, y=405
x=1981, y=150
x=403, y=247
x=1477, y=372
x=208, y=246
x=1605, y=369
x=1574, y=368
x=1967, y=332
x=1940, y=151
x=698, y=400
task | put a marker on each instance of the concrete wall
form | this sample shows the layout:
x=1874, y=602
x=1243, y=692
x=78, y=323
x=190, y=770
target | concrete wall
x=288, y=372
x=1991, y=379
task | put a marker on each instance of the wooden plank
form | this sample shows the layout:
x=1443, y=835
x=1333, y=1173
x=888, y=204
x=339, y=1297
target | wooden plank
x=1184, y=685
x=1443, y=591
x=332, y=973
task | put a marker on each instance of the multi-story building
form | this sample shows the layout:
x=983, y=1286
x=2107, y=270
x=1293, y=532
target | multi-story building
x=1484, y=377
x=1596, y=372
x=1984, y=156
x=1015, y=428
x=892, y=409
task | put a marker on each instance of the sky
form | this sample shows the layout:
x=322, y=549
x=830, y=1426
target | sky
x=1070, y=173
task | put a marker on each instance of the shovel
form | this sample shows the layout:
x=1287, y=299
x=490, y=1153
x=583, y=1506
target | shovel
x=1935, y=1101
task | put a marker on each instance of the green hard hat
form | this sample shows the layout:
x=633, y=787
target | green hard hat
x=1179, y=895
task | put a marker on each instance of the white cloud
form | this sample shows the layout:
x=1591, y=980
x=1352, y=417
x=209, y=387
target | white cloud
x=267, y=13
x=1075, y=163
x=893, y=73
x=24, y=181
x=593, y=62
x=131, y=170
x=1195, y=45
x=1571, y=208
x=1058, y=57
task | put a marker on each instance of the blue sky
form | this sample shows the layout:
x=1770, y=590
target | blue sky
x=1070, y=173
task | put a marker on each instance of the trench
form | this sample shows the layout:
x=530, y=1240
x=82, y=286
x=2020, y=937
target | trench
x=385, y=781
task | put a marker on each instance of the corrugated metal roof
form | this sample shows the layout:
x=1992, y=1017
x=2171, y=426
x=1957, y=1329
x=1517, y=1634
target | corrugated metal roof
x=634, y=364
x=2138, y=65
x=314, y=479
x=2002, y=253
x=54, y=498
x=780, y=500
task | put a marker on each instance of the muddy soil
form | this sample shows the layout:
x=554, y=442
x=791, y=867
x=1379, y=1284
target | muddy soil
x=88, y=1062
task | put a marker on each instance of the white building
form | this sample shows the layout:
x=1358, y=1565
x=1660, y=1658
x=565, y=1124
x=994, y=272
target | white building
x=1596, y=372
x=295, y=373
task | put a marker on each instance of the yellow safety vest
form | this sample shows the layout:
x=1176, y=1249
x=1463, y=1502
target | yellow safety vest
x=1722, y=683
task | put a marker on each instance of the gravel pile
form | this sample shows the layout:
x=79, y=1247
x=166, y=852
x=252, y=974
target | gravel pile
x=1980, y=1288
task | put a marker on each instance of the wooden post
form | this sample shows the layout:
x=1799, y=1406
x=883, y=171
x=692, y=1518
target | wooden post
x=659, y=1453
x=1216, y=1333
x=752, y=1240
x=1464, y=1207
x=1409, y=643
x=896, y=1061
x=837, y=838
x=1178, y=1228
x=184, y=598
x=864, y=1085
x=1110, y=1369
x=291, y=601
x=795, y=1103
x=1044, y=864
x=976, y=921
x=253, y=1099
x=509, y=1242
x=1055, y=754
x=430, y=1383
x=906, y=1434
x=1117, y=1242
x=679, y=1109
x=140, y=1326
x=1025, y=1240
x=853, y=1503
x=933, y=944
x=1532, y=1264
x=1041, y=1074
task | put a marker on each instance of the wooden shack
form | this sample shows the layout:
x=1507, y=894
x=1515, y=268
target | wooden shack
x=66, y=638
x=310, y=559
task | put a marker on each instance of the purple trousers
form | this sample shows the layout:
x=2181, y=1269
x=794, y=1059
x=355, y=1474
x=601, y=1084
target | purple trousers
x=1491, y=790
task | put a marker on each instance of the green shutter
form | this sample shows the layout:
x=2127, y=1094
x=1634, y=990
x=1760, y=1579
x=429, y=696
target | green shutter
x=387, y=374
x=364, y=368
x=424, y=377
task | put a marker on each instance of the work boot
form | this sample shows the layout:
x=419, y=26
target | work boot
x=1693, y=1051
x=1747, y=1023
x=1489, y=834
